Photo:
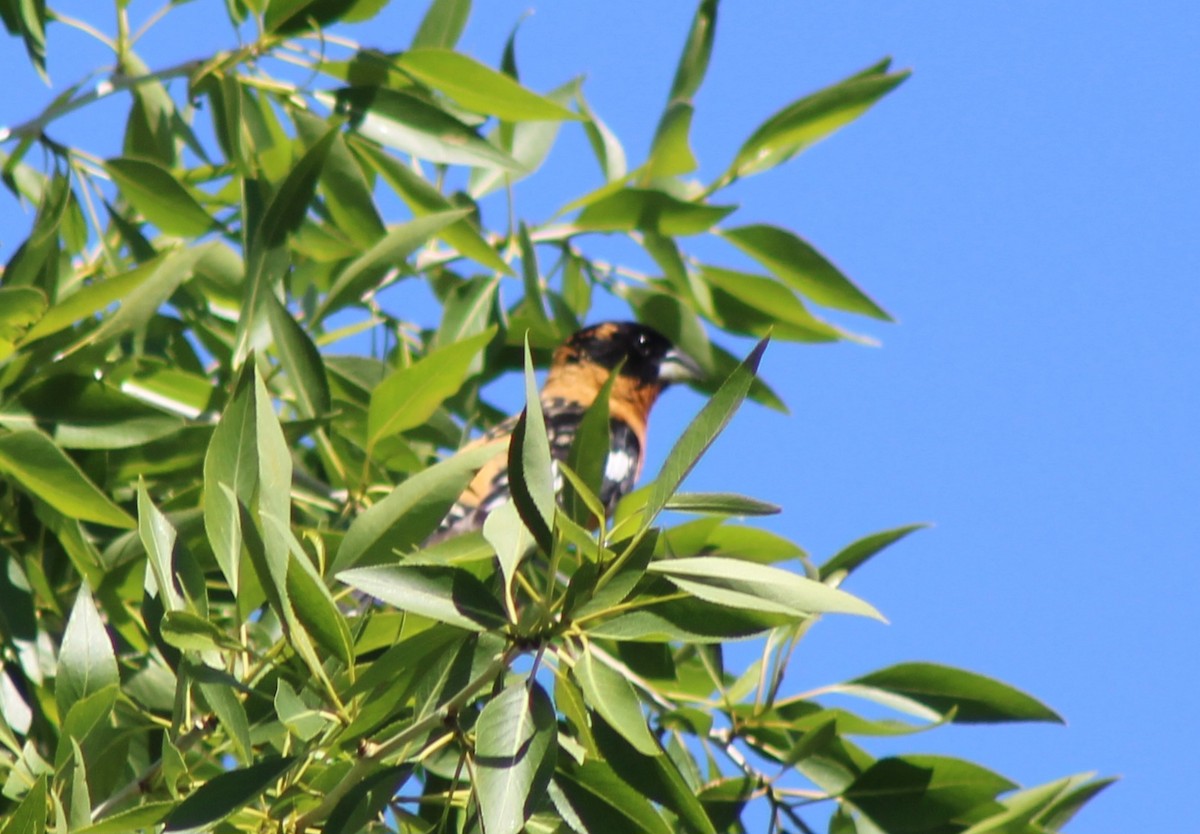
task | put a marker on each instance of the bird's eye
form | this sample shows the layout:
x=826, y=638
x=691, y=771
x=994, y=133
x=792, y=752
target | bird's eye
x=642, y=344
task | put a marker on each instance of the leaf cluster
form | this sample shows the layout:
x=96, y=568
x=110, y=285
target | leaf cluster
x=217, y=608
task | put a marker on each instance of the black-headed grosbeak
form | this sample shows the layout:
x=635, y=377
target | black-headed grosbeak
x=578, y=370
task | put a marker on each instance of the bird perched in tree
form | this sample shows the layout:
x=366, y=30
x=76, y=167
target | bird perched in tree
x=578, y=370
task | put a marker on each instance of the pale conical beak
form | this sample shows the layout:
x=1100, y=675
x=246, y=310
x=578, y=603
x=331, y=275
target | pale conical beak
x=677, y=366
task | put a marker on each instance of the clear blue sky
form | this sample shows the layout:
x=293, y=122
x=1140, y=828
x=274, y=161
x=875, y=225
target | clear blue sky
x=1027, y=205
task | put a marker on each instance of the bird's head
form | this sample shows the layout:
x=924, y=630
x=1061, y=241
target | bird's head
x=647, y=359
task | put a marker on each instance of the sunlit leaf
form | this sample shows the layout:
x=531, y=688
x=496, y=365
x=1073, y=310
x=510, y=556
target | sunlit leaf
x=514, y=755
x=478, y=87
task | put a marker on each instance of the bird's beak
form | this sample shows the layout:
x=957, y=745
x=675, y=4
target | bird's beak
x=677, y=366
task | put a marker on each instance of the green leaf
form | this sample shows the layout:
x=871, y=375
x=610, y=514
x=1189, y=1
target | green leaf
x=37, y=466
x=593, y=794
x=89, y=300
x=512, y=541
x=609, y=693
x=86, y=660
x=528, y=142
x=589, y=455
x=479, y=88
x=530, y=467
x=163, y=200
x=977, y=699
x=301, y=360
x=809, y=120
x=515, y=752
x=924, y=793
x=657, y=777
x=423, y=199
x=414, y=126
x=188, y=632
x=795, y=262
x=223, y=794
x=411, y=511
x=362, y=274
x=719, y=503
x=347, y=193
x=701, y=433
x=301, y=720
x=132, y=819
x=443, y=23
x=758, y=305
x=408, y=397
x=145, y=296
x=448, y=595
x=20, y=309
x=30, y=816
x=649, y=211
x=230, y=474
x=741, y=584
x=857, y=553
x=267, y=257
x=693, y=63
x=315, y=607
x=670, y=153
x=468, y=310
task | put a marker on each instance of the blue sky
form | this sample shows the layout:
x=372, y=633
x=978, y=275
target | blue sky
x=1027, y=206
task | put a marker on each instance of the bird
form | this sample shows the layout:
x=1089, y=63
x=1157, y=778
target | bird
x=648, y=362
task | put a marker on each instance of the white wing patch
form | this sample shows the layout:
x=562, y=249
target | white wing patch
x=619, y=466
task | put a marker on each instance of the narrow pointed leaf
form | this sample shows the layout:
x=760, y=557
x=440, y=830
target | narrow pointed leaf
x=361, y=274
x=720, y=503
x=478, y=87
x=159, y=197
x=855, y=554
x=795, y=262
x=409, y=396
x=222, y=795
x=442, y=24
x=700, y=433
x=35, y=465
x=530, y=467
x=756, y=587
x=411, y=511
x=976, y=698
x=811, y=119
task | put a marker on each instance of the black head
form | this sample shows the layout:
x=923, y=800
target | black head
x=649, y=356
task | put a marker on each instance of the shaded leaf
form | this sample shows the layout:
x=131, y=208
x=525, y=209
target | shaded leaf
x=923, y=793
x=531, y=478
x=40, y=468
x=222, y=795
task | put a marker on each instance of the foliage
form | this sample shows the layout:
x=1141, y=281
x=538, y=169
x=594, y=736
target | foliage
x=193, y=483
